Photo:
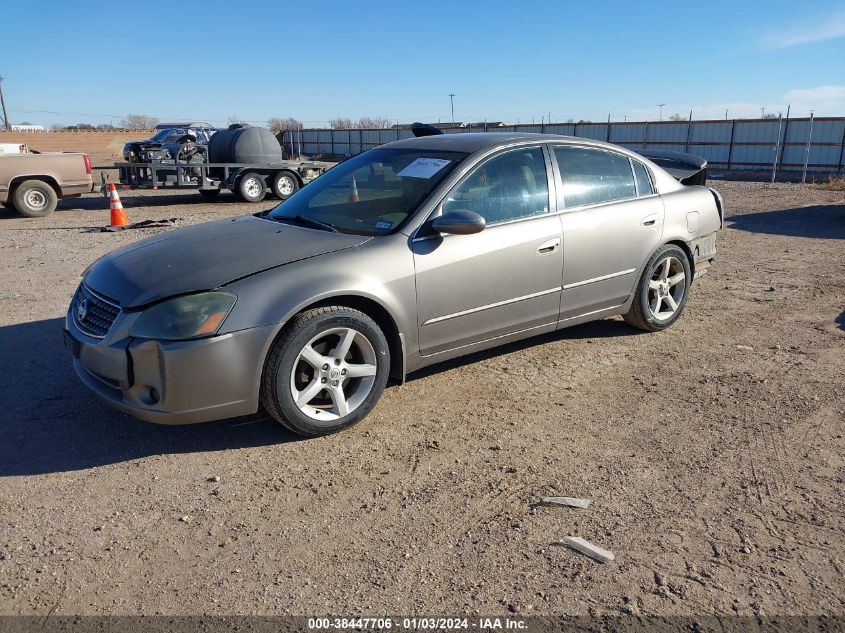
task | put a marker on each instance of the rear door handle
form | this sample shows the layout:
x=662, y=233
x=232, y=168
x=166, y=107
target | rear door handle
x=649, y=220
x=549, y=246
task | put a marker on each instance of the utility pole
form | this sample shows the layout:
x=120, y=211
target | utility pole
x=3, y=104
x=762, y=112
x=660, y=105
x=726, y=114
x=452, y=101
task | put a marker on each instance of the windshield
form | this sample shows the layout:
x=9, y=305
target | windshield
x=372, y=193
x=169, y=134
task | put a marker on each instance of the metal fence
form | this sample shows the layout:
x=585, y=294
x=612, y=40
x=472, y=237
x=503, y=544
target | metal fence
x=789, y=145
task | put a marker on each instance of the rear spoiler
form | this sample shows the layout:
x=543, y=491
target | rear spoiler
x=688, y=169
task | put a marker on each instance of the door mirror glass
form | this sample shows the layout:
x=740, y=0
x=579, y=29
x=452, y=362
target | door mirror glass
x=459, y=222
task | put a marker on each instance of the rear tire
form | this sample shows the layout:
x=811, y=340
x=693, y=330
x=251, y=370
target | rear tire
x=326, y=371
x=251, y=187
x=35, y=199
x=662, y=290
x=285, y=184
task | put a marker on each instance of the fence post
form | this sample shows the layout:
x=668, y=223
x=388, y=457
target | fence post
x=777, y=147
x=689, y=129
x=645, y=138
x=841, y=152
x=731, y=145
x=785, y=133
x=807, y=150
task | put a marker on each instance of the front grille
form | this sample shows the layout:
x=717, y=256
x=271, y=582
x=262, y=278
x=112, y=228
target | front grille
x=93, y=313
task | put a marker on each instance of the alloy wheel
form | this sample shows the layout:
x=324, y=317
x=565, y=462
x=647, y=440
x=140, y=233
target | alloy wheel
x=666, y=287
x=333, y=374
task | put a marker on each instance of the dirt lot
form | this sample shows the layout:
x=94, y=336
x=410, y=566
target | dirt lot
x=714, y=453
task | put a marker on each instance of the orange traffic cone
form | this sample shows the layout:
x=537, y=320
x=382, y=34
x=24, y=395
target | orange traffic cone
x=354, y=197
x=118, y=215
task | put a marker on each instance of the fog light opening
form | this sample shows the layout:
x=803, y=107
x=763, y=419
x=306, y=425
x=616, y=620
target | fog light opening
x=150, y=395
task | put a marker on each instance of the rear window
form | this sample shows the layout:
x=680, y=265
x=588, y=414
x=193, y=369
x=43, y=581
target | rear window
x=593, y=176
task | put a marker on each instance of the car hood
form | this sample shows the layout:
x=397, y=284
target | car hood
x=206, y=256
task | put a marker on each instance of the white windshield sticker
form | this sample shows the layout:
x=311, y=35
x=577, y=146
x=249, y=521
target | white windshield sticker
x=424, y=167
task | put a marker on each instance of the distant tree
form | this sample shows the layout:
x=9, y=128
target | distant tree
x=105, y=127
x=583, y=121
x=57, y=126
x=139, y=122
x=570, y=120
x=373, y=122
x=677, y=117
x=770, y=115
x=25, y=123
x=341, y=123
x=278, y=124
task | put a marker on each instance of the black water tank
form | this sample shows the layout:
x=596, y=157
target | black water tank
x=244, y=144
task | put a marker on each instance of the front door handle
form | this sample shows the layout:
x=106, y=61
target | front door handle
x=649, y=220
x=549, y=246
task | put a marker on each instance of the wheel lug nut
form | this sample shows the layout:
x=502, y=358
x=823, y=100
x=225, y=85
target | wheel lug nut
x=342, y=372
x=323, y=380
x=337, y=361
x=334, y=383
x=326, y=366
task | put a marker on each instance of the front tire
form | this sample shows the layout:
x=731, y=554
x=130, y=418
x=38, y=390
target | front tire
x=662, y=290
x=251, y=187
x=285, y=184
x=326, y=371
x=35, y=199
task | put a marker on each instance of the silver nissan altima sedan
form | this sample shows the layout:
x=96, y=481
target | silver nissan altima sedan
x=405, y=255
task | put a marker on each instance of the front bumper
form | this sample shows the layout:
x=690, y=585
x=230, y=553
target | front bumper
x=172, y=382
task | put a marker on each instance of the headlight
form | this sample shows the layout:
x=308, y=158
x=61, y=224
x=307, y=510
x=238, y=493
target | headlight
x=188, y=317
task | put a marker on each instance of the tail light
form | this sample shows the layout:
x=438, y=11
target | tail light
x=87, y=163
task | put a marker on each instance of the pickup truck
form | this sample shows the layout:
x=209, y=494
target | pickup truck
x=32, y=183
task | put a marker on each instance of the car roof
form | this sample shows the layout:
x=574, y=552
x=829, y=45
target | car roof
x=166, y=126
x=470, y=142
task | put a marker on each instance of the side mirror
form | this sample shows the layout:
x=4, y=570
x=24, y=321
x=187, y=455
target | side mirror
x=459, y=222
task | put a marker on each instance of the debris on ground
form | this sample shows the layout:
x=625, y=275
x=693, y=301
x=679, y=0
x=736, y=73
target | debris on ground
x=585, y=547
x=572, y=502
x=143, y=224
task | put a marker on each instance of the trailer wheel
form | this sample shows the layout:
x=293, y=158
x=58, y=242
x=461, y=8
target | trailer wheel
x=285, y=184
x=251, y=187
x=35, y=198
x=209, y=193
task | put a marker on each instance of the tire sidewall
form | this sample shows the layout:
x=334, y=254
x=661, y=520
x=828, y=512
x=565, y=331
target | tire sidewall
x=676, y=251
x=293, y=346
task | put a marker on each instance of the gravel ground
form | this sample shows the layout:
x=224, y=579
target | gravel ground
x=713, y=452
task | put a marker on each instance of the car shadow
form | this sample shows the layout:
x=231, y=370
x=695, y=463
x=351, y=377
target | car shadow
x=605, y=328
x=821, y=221
x=51, y=423
x=840, y=320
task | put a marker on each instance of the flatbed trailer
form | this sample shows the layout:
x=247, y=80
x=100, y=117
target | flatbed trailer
x=250, y=182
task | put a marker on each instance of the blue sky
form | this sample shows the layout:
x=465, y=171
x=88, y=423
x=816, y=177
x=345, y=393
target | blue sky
x=95, y=62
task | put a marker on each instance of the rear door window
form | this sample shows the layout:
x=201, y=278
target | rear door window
x=593, y=176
